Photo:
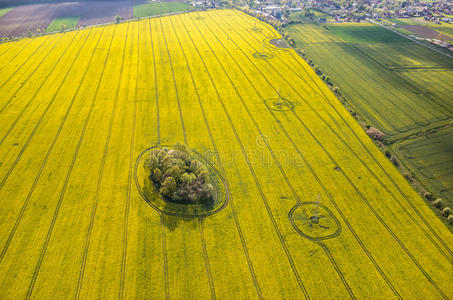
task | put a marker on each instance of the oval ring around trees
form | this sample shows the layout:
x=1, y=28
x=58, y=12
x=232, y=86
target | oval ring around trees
x=151, y=195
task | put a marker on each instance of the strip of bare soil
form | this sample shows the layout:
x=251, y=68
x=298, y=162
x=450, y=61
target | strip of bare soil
x=23, y=19
x=426, y=32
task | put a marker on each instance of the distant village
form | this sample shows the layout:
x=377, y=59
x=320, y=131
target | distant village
x=355, y=11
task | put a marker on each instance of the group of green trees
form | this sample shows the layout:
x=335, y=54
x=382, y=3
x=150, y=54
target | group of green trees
x=439, y=204
x=179, y=175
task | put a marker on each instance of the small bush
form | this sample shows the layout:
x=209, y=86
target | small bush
x=450, y=219
x=428, y=196
x=387, y=154
x=446, y=211
x=300, y=52
x=336, y=90
x=375, y=134
x=438, y=203
x=408, y=177
x=395, y=161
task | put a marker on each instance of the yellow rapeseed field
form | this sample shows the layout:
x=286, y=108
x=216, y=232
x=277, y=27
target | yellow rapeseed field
x=314, y=209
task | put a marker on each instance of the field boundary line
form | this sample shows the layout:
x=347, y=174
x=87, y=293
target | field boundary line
x=242, y=238
x=336, y=267
x=205, y=254
x=164, y=251
x=161, y=216
x=8, y=48
x=68, y=175
x=409, y=83
x=22, y=84
x=27, y=60
x=162, y=225
x=377, y=162
x=421, y=119
x=414, y=40
x=371, y=155
x=43, y=163
x=8, y=173
x=174, y=81
x=155, y=82
x=21, y=49
x=386, y=226
x=377, y=117
x=258, y=185
x=101, y=174
x=296, y=196
x=393, y=113
x=321, y=184
x=250, y=265
x=36, y=92
x=129, y=179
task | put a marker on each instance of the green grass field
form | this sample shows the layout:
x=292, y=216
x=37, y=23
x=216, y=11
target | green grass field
x=365, y=34
x=313, y=209
x=57, y=23
x=158, y=8
x=431, y=157
x=399, y=88
x=4, y=10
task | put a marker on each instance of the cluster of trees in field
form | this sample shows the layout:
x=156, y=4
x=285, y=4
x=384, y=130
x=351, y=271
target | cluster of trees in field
x=439, y=204
x=179, y=175
x=290, y=40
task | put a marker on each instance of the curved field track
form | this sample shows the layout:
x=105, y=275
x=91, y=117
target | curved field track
x=78, y=108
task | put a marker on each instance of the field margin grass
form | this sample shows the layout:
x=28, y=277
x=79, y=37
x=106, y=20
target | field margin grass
x=62, y=23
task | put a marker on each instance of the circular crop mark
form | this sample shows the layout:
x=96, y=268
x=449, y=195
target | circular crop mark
x=314, y=221
x=279, y=104
x=263, y=55
x=151, y=195
x=262, y=141
x=257, y=29
x=279, y=43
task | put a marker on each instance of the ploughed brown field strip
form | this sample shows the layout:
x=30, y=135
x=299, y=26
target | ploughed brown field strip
x=23, y=19
x=427, y=32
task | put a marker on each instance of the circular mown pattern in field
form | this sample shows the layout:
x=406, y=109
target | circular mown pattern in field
x=151, y=195
x=279, y=104
x=279, y=43
x=263, y=55
x=314, y=221
x=257, y=29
